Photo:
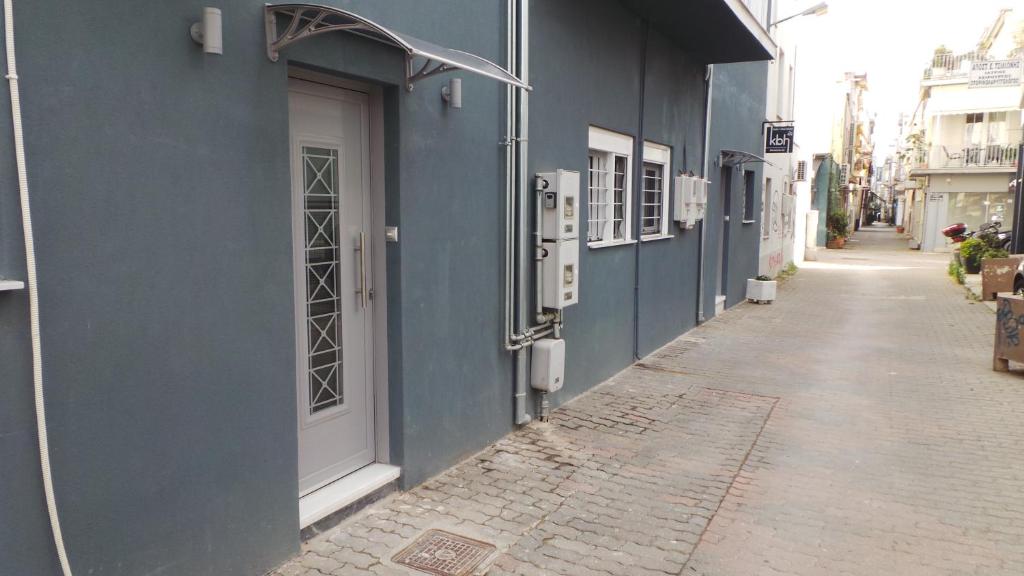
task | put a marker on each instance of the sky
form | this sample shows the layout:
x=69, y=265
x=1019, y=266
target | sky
x=891, y=40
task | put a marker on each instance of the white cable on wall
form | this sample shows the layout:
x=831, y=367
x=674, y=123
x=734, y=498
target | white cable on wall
x=33, y=291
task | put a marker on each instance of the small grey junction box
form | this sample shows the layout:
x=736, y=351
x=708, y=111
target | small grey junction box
x=548, y=370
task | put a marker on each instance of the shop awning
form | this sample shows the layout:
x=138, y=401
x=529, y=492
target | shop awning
x=422, y=58
x=959, y=99
x=737, y=157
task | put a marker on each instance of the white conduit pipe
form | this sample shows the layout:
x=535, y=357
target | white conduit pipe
x=33, y=290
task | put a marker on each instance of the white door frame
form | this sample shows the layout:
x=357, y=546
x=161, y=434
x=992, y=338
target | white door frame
x=378, y=248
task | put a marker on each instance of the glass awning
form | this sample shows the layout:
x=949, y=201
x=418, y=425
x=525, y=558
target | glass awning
x=736, y=157
x=422, y=58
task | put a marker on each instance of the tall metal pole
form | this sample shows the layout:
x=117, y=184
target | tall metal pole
x=1017, y=237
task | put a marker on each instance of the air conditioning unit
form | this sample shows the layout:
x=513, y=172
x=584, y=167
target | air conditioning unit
x=801, y=171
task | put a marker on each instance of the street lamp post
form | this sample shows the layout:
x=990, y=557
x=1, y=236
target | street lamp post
x=819, y=9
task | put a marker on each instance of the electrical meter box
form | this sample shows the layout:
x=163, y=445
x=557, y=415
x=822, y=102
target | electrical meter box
x=548, y=370
x=561, y=274
x=559, y=193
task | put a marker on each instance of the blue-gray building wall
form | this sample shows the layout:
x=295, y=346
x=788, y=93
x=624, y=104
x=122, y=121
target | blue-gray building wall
x=160, y=181
x=624, y=58
x=737, y=112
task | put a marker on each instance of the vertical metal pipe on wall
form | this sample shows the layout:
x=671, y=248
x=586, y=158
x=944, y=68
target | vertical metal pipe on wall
x=1017, y=237
x=638, y=187
x=709, y=80
x=510, y=178
x=522, y=205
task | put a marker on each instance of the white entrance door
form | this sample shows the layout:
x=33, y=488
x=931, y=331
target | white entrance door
x=936, y=210
x=330, y=222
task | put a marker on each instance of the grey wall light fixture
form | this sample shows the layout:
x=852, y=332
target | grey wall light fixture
x=452, y=93
x=208, y=32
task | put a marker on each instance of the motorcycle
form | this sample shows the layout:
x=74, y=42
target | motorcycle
x=1000, y=238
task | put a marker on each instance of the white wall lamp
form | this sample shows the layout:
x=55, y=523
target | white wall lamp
x=819, y=9
x=208, y=32
x=452, y=93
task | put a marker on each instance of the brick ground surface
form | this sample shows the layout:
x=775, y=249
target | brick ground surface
x=854, y=427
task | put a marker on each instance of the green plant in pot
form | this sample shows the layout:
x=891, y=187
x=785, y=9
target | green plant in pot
x=995, y=253
x=971, y=251
x=838, y=224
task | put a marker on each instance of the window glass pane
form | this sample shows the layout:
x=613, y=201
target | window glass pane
x=766, y=210
x=967, y=207
x=999, y=208
x=597, y=192
x=618, y=199
x=997, y=128
x=323, y=313
x=748, y=195
x=653, y=196
x=972, y=131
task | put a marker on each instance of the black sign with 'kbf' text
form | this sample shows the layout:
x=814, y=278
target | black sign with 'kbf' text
x=778, y=140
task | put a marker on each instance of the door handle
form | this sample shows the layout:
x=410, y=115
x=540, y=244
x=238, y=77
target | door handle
x=361, y=289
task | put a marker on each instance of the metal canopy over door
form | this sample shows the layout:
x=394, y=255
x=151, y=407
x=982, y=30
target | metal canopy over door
x=329, y=133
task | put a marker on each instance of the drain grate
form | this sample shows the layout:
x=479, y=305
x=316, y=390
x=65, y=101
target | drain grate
x=444, y=554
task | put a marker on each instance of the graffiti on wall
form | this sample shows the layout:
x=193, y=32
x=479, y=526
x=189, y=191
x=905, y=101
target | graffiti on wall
x=788, y=216
x=1009, y=323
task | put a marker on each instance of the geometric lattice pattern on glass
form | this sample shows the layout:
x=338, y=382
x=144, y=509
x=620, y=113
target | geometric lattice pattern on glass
x=444, y=554
x=323, y=307
x=653, y=198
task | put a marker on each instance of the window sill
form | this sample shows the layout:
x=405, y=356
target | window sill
x=749, y=222
x=610, y=243
x=656, y=237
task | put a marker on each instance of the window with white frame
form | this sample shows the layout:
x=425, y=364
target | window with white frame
x=656, y=187
x=609, y=182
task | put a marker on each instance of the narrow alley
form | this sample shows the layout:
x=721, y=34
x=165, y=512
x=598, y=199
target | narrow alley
x=853, y=427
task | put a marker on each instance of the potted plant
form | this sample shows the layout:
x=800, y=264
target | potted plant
x=835, y=242
x=971, y=251
x=838, y=227
x=761, y=289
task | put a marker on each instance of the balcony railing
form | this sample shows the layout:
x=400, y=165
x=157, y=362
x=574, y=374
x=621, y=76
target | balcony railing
x=949, y=66
x=987, y=156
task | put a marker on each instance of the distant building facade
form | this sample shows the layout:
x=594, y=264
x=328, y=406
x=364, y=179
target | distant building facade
x=965, y=144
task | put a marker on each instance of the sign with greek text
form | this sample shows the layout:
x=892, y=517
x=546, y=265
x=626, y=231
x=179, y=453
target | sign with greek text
x=996, y=73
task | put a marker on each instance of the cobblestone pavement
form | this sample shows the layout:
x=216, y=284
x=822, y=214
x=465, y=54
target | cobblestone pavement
x=854, y=427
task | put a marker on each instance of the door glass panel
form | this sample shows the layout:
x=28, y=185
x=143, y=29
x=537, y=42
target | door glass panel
x=323, y=308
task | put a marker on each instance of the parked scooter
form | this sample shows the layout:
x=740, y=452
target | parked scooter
x=958, y=233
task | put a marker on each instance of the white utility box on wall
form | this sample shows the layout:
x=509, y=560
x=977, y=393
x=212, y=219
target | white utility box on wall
x=559, y=193
x=548, y=369
x=561, y=273
x=691, y=200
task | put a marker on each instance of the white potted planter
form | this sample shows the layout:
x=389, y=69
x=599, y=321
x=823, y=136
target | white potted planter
x=761, y=291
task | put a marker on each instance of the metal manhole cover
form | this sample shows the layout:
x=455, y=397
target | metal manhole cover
x=444, y=554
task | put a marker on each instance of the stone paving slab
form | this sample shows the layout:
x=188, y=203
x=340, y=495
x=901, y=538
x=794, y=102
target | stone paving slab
x=854, y=427
x=622, y=481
